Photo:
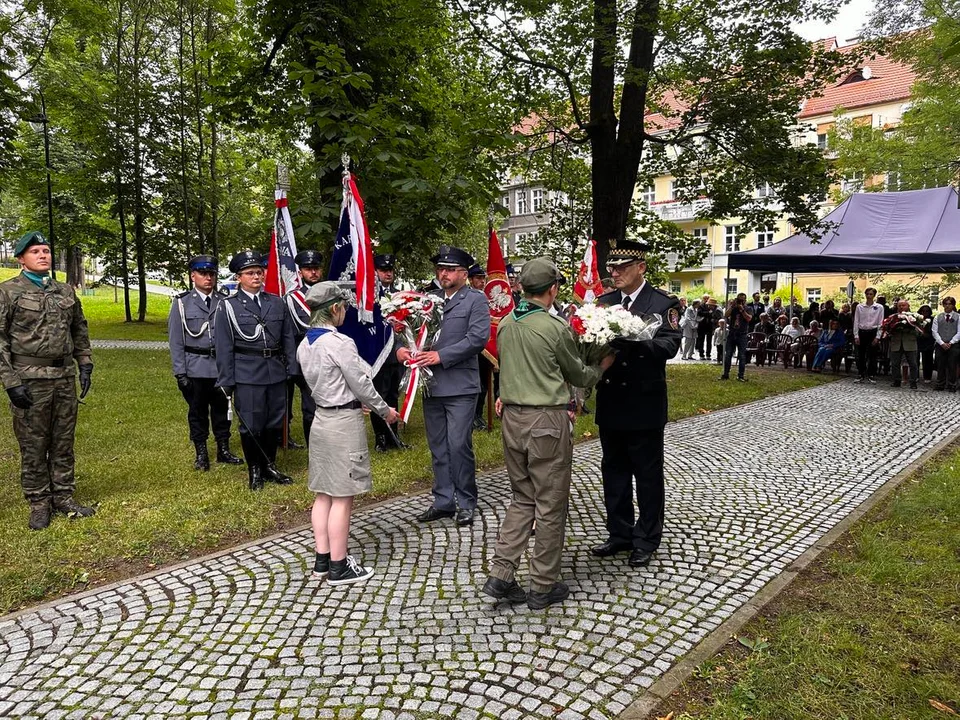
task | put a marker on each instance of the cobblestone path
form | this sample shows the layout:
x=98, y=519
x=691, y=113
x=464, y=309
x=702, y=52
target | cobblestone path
x=249, y=635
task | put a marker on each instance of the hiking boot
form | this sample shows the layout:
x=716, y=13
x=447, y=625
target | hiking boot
x=203, y=459
x=69, y=506
x=40, y=514
x=224, y=455
x=504, y=590
x=348, y=572
x=321, y=565
x=540, y=600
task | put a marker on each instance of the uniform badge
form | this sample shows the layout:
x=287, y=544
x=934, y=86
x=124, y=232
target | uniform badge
x=673, y=317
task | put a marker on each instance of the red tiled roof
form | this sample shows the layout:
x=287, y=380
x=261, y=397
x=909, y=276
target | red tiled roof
x=889, y=81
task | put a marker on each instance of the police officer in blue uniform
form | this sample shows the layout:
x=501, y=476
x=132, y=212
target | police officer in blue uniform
x=256, y=353
x=387, y=380
x=191, y=328
x=310, y=266
x=632, y=411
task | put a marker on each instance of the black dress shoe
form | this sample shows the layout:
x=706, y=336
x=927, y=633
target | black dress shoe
x=271, y=474
x=639, y=558
x=464, y=517
x=611, y=547
x=293, y=445
x=504, y=590
x=558, y=593
x=431, y=514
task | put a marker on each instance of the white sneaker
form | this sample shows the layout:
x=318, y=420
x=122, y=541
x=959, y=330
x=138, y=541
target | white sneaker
x=871, y=381
x=352, y=573
x=858, y=381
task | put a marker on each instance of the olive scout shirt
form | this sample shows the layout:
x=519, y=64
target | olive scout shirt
x=538, y=357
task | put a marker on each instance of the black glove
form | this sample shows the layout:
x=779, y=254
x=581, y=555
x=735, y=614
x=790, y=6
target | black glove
x=184, y=383
x=20, y=397
x=228, y=390
x=86, y=372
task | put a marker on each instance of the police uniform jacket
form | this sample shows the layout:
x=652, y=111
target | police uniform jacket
x=632, y=394
x=269, y=358
x=386, y=332
x=464, y=331
x=190, y=328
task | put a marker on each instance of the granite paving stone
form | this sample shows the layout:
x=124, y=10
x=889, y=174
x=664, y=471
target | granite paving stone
x=250, y=634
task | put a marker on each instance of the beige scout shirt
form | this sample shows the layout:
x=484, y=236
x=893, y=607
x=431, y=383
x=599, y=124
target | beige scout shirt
x=538, y=358
x=336, y=373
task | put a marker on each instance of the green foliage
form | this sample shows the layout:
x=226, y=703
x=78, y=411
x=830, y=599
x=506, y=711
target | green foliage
x=698, y=291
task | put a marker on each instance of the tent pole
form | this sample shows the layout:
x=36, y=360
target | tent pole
x=790, y=308
x=726, y=298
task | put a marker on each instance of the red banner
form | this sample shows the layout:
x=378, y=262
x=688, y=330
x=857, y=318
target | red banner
x=497, y=290
x=588, y=286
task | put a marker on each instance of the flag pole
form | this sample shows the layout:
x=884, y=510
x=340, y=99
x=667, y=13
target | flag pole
x=283, y=184
x=489, y=365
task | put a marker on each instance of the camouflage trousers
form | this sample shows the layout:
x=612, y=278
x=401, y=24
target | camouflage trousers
x=45, y=432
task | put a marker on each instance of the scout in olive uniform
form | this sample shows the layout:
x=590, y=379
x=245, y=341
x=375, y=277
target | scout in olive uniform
x=632, y=411
x=191, y=328
x=256, y=353
x=388, y=379
x=539, y=363
x=309, y=265
x=42, y=333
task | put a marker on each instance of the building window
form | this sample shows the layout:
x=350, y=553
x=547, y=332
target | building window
x=731, y=286
x=822, y=141
x=673, y=189
x=894, y=182
x=853, y=183
x=521, y=202
x=765, y=237
x=813, y=295
x=731, y=238
x=649, y=195
x=675, y=287
x=505, y=201
x=538, y=200
x=700, y=234
x=765, y=191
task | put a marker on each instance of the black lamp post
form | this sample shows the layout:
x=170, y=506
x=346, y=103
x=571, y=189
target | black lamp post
x=41, y=119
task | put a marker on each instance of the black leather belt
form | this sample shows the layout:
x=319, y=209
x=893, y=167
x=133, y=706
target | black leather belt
x=41, y=361
x=259, y=352
x=206, y=352
x=355, y=405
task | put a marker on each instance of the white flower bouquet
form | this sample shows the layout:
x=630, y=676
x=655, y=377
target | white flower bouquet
x=596, y=327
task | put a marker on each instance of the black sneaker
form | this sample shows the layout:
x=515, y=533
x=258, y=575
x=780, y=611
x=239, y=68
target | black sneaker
x=504, y=590
x=347, y=572
x=538, y=600
x=321, y=565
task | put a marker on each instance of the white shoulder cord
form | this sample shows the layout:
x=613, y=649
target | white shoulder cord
x=257, y=334
x=292, y=307
x=183, y=321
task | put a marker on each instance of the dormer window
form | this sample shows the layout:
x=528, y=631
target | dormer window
x=861, y=74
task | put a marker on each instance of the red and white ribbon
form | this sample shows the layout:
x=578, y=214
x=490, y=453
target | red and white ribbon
x=414, y=380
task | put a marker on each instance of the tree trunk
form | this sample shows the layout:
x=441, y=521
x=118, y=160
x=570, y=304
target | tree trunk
x=118, y=165
x=139, y=211
x=198, y=110
x=182, y=119
x=214, y=186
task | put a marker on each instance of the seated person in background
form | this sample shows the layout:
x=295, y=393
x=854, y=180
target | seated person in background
x=845, y=318
x=793, y=329
x=810, y=314
x=780, y=323
x=720, y=339
x=827, y=313
x=832, y=340
x=765, y=325
x=815, y=330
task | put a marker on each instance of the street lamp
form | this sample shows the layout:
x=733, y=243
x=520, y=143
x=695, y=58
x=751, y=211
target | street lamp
x=42, y=119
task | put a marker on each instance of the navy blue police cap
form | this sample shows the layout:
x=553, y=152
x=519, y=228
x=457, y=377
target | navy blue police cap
x=308, y=258
x=245, y=259
x=476, y=271
x=203, y=263
x=384, y=261
x=450, y=256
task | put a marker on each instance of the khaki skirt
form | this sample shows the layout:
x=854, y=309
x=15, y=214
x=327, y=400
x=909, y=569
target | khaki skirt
x=339, y=456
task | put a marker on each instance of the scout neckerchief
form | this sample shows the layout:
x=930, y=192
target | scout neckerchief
x=524, y=308
x=314, y=333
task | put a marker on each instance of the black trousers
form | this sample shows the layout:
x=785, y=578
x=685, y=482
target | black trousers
x=207, y=406
x=387, y=383
x=628, y=456
x=486, y=372
x=308, y=406
x=867, y=354
x=736, y=342
x=704, y=337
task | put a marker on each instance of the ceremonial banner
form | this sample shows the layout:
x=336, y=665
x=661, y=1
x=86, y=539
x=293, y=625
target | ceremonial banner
x=360, y=246
x=497, y=290
x=588, y=285
x=282, y=275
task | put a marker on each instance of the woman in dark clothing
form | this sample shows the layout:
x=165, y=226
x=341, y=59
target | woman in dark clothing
x=828, y=313
x=925, y=344
x=810, y=314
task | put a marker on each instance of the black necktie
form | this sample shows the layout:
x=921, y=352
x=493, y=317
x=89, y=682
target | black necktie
x=206, y=301
x=626, y=302
x=256, y=301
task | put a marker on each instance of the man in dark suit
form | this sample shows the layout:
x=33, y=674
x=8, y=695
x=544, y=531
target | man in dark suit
x=256, y=353
x=448, y=408
x=310, y=267
x=191, y=328
x=632, y=411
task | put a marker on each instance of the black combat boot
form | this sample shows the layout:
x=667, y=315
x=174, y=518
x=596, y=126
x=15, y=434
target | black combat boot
x=203, y=459
x=269, y=442
x=66, y=505
x=252, y=455
x=40, y=514
x=224, y=455
x=380, y=443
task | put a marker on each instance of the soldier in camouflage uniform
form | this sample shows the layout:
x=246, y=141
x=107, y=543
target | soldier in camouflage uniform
x=42, y=333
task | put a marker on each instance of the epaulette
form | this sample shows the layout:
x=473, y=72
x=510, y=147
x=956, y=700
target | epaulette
x=665, y=294
x=183, y=294
x=611, y=292
x=222, y=291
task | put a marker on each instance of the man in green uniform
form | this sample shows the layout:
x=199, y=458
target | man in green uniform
x=539, y=363
x=42, y=333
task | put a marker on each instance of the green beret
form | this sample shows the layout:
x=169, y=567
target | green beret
x=34, y=237
x=537, y=275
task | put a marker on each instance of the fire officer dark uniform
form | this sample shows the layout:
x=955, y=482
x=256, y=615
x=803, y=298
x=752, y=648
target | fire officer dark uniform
x=300, y=320
x=256, y=353
x=388, y=378
x=191, y=330
x=631, y=415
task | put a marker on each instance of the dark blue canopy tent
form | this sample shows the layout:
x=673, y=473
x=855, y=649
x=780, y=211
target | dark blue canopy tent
x=911, y=231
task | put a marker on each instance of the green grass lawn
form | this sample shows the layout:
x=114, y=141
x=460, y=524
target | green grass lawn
x=134, y=460
x=870, y=631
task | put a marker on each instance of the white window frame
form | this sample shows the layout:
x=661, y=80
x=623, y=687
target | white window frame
x=506, y=202
x=765, y=191
x=675, y=287
x=673, y=189
x=813, y=294
x=765, y=237
x=701, y=235
x=731, y=286
x=537, y=200
x=649, y=195
x=823, y=141
x=731, y=238
x=521, y=202
x=852, y=183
